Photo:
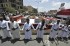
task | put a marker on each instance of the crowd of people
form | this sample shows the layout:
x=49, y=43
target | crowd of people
x=10, y=29
x=60, y=32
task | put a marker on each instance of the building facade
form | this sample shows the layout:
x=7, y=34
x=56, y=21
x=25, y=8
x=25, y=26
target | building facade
x=52, y=12
x=17, y=4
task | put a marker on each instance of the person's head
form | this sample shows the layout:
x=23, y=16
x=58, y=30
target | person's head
x=69, y=26
x=43, y=21
x=11, y=19
x=4, y=16
x=58, y=21
x=1, y=18
x=27, y=20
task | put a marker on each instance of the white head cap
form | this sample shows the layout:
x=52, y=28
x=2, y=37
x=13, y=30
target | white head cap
x=68, y=25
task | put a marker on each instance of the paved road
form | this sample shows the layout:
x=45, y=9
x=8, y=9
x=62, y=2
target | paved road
x=33, y=43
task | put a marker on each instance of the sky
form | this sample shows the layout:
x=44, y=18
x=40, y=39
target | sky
x=46, y=5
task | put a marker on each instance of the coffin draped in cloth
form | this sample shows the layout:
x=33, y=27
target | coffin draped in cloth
x=35, y=25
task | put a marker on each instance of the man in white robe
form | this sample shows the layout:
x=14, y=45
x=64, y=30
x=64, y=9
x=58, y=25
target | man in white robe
x=40, y=29
x=69, y=32
x=65, y=32
x=5, y=30
x=27, y=30
x=15, y=29
x=0, y=27
x=54, y=31
x=60, y=32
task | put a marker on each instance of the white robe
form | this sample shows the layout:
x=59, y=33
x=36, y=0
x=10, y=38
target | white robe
x=15, y=33
x=0, y=30
x=68, y=32
x=65, y=31
x=6, y=32
x=40, y=32
x=27, y=33
x=60, y=32
x=53, y=33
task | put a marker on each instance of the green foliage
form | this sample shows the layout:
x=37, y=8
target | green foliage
x=10, y=9
x=24, y=8
x=35, y=10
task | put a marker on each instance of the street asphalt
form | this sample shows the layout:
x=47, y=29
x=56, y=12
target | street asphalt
x=45, y=42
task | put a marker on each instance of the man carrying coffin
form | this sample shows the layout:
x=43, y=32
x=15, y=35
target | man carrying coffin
x=54, y=31
x=27, y=30
x=15, y=29
x=41, y=28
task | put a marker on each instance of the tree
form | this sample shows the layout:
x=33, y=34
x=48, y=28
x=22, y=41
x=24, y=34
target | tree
x=68, y=21
x=35, y=10
x=9, y=9
x=24, y=8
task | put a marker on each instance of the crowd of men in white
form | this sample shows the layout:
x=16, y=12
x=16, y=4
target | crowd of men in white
x=11, y=30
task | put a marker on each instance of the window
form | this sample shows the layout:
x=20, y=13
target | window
x=6, y=0
x=19, y=0
x=13, y=5
x=11, y=0
x=18, y=7
x=1, y=5
x=6, y=4
x=0, y=1
x=21, y=7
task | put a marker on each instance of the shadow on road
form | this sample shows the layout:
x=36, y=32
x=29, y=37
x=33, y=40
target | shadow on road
x=5, y=39
x=27, y=40
x=39, y=40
